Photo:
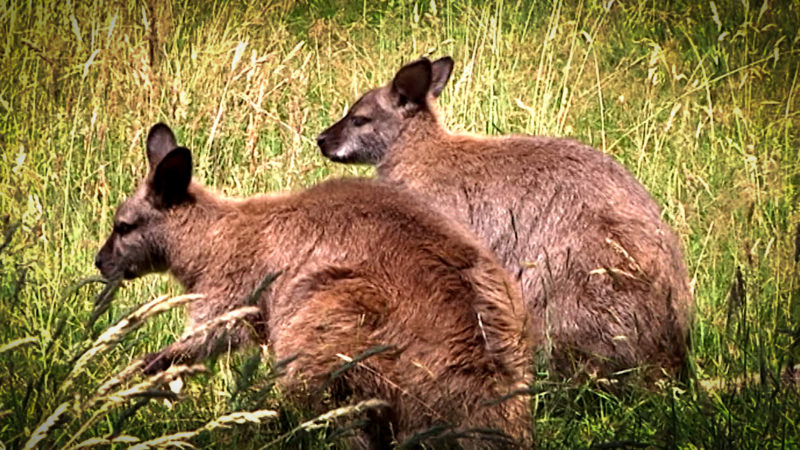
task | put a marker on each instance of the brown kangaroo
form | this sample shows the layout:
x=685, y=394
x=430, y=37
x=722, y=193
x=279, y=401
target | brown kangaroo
x=597, y=264
x=362, y=265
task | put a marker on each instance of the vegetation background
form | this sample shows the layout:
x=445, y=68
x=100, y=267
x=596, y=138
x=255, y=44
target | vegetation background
x=698, y=99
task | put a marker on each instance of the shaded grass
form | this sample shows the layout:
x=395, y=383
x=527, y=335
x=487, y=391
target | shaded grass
x=701, y=106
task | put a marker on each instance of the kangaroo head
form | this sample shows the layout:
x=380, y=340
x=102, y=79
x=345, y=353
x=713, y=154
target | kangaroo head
x=375, y=121
x=138, y=243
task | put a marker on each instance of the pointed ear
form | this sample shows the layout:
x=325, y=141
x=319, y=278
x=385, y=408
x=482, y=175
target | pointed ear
x=413, y=81
x=441, y=69
x=170, y=179
x=160, y=141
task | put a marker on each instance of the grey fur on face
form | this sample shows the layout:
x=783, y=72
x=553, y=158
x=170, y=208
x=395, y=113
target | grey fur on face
x=374, y=123
x=137, y=244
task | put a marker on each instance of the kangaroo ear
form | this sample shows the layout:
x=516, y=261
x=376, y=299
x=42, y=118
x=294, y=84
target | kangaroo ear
x=160, y=141
x=170, y=179
x=441, y=68
x=412, y=82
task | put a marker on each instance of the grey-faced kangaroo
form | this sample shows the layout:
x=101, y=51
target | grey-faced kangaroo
x=362, y=265
x=596, y=262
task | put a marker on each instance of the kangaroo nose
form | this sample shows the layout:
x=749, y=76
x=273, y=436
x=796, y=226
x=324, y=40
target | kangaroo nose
x=97, y=260
x=321, y=140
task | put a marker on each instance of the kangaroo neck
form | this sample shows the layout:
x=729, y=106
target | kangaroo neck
x=228, y=245
x=198, y=238
x=421, y=131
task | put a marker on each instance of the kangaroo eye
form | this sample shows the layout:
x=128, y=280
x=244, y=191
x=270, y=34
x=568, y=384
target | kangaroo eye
x=360, y=120
x=123, y=228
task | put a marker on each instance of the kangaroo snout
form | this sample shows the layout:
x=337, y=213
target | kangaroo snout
x=101, y=259
x=321, y=141
x=329, y=146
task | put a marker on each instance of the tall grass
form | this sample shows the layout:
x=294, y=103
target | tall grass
x=698, y=100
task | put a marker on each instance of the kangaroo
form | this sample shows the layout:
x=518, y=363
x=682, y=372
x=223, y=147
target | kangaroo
x=598, y=267
x=362, y=264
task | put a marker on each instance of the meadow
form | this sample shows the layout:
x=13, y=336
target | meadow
x=698, y=100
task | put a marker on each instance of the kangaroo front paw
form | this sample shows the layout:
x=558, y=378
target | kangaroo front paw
x=157, y=362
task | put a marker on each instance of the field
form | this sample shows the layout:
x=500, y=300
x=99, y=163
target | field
x=699, y=100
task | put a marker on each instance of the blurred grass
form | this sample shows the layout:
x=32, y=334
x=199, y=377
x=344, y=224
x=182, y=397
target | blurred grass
x=700, y=101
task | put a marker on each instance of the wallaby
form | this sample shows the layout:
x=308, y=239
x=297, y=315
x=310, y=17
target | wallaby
x=597, y=264
x=362, y=264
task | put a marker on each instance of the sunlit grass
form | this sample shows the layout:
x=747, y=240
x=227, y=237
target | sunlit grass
x=698, y=100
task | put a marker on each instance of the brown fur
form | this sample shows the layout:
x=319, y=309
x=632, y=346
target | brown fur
x=363, y=265
x=597, y=264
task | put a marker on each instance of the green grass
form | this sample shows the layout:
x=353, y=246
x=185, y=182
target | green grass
x=701, y=106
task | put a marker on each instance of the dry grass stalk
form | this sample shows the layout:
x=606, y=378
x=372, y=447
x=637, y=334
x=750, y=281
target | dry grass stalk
x=104, y=441
x=112, y=335
x=324, y=420
x=140, y=389
x=16, y=343
x=180, y=439
x=41, y=431
x=228, y=318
